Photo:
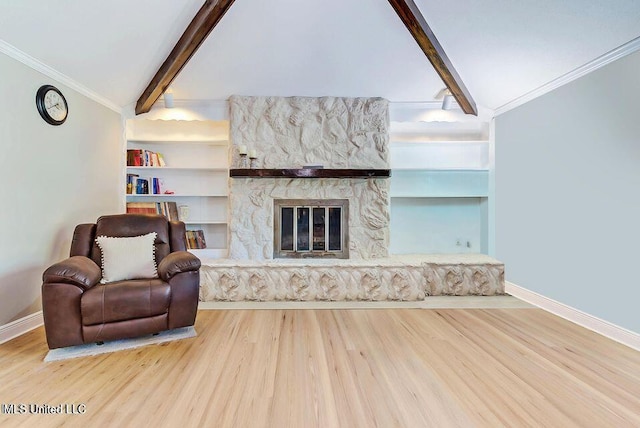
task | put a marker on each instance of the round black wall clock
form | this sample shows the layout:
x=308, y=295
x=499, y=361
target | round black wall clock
x=52, y=105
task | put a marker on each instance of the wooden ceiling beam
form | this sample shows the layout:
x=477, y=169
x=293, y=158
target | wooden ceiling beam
x=205, y=20
x=417, y=26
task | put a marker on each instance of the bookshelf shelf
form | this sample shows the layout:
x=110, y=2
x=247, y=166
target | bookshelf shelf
x=188, y=222
x=213, y=142
x=195, y=159
x=210, y=253
x=177, y=195
x=176, y=168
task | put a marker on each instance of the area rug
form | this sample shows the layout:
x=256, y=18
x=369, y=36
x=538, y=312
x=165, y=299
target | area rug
x=118, y=345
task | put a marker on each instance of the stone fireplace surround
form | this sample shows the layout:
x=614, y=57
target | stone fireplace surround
x=337, y=133
x=252, y=221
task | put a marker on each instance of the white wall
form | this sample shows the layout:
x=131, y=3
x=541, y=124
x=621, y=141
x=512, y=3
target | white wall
x=435, y=225
x=567, y=193
x=51, y=178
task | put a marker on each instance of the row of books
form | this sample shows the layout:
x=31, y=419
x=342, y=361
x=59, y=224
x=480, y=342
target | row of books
x=141, y=157
x=167, y=209
x=195, y=240
x=144, y=186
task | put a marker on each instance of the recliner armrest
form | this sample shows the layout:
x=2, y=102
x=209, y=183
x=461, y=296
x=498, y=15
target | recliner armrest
x=77, y=270
x=177, y=262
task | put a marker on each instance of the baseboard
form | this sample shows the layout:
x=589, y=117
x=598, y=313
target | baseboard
x=20, y=326
x=600, y=326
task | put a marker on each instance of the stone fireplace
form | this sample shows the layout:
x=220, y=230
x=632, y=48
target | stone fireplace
x=327, y=133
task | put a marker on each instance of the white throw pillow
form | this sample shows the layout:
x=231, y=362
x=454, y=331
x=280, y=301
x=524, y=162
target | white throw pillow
x=128, y=258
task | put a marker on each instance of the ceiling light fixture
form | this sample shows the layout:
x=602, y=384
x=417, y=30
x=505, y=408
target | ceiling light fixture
x=447, y=100
x=168, y=98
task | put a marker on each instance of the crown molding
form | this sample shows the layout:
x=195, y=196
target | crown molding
x=38, y=66
x=601, y=61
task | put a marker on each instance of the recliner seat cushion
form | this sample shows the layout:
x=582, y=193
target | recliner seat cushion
x=125, y=300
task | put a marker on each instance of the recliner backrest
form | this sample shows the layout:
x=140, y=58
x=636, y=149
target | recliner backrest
x=128, y=225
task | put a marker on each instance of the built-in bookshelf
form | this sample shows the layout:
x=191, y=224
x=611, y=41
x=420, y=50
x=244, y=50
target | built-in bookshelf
x=192, y=177
x=440, y=194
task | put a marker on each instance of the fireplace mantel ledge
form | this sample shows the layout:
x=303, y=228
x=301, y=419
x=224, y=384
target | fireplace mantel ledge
x=309, y=173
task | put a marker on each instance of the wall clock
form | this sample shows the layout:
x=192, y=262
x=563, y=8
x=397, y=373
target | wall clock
x=52, y=105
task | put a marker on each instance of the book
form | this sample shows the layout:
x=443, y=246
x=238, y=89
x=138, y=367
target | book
x=134, y=157
x=141, y=208
x=131, y=181
x=167, y=209
x=142, y=186
x=140, y=157
x=172, y=208
x=155, y=186
x=200, y=239
x=195, y=239
x=190, y=237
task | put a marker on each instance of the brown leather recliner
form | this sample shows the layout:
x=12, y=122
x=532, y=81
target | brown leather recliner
x=78, y=309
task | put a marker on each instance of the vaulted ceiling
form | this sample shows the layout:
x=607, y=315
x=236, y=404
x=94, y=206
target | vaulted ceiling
x=501, y=49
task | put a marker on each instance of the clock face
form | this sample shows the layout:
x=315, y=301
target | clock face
x=55, y=105
x=52, y=105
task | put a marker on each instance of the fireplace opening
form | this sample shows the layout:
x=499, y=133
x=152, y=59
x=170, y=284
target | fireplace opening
x=311, y=228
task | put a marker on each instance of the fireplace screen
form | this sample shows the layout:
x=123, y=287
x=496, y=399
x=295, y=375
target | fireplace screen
x=311, y=228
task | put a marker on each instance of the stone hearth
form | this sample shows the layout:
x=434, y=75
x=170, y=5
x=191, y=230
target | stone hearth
x=400, y=278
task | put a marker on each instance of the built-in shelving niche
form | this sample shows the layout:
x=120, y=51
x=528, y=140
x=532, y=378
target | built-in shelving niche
x=196, y=172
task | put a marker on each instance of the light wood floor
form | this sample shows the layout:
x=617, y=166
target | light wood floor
x=341, y=368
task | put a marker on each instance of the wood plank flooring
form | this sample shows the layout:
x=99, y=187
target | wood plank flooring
x=340, y=368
